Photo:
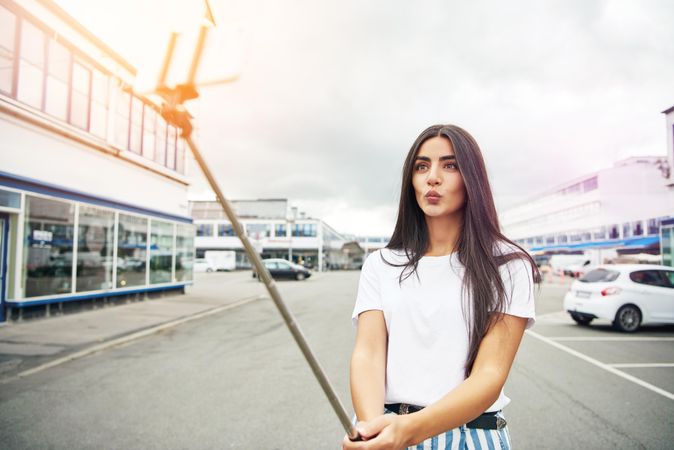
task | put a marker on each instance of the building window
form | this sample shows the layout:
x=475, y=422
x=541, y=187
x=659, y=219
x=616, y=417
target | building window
x=550, y=240
x=590, y=184
x=161, y=252
x=653, y=226
x=280, y=230
x=225, y=229
x=80, y=95
x=160, y=148
x=585, y=236
x=100, y=87
x=258, y=230
x=562, y=238
x=171, y=137
x=539, y=240
x=95, y=230
x=614, y=231
x=58, y=80
x=184, y=252
x=180, y=154
x=637, y=228
x=599, y=234
x=149, y=132
x=7, y=46
x=122, y=111
x=48, y=247
x=205, y=229
x=304, y=230
x=627, y=230
x=131, y=251
x=31, y=66
x=136, y=132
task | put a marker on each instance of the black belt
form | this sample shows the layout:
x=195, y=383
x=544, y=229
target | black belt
x=486, y=421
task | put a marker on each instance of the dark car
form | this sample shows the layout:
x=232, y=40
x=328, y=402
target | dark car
x=281, y=268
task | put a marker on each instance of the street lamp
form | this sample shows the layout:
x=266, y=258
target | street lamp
x=290, y=218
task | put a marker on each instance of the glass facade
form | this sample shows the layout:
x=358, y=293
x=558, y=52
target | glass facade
x=131, y=251
x=48, y=247
x=258, y=230
x=667, y=245
x=280, y=230
x=205, y=229
x=161, y=252
x=304, y=230
x=95, y=242
x=184, y=252
x=225, y=229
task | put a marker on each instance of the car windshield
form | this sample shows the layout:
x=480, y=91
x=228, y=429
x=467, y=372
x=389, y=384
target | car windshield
x=599, y=276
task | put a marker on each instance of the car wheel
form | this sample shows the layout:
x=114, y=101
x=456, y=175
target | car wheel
x=300, y=276
x=581, y=320
x=627, y=319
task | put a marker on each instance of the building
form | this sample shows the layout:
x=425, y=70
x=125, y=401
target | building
x=276, y=230
x=93, y=194
x=620, y=208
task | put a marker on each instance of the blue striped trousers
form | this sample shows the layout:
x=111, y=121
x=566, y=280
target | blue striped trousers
x=462, y=438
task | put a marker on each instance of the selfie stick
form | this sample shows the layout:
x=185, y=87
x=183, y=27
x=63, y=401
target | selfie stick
x=174, y=112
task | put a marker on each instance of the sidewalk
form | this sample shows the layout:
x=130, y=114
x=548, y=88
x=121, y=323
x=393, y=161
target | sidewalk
x=26, y=347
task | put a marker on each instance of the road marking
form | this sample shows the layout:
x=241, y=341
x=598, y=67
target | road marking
x=637, y=366
x=611, y=338
x=601, y=365
x=130, y=337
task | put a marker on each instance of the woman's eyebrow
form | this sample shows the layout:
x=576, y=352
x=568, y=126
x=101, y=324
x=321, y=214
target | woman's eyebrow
x=442, y=158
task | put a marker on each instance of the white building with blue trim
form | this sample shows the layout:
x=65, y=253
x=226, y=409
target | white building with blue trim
x=621, y=210
x=93, y=190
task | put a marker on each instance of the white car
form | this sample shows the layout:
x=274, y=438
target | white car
x=629, y=295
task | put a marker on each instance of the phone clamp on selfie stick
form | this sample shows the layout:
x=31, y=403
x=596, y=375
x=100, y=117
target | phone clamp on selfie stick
x=175, y=113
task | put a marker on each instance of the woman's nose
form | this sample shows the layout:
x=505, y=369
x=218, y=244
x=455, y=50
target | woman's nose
x=433, y=177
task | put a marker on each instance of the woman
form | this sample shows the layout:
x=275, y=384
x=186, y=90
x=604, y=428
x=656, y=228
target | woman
x=441, y=310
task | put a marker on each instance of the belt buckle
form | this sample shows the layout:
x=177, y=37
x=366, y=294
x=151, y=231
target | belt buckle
x=404, y=409
x=500, y=423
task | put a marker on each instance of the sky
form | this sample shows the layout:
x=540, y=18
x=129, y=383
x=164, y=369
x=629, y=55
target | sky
x=330, y=95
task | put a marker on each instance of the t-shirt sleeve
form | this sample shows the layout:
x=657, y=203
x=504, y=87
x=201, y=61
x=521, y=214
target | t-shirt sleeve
x=369, y=295
x=519, y=289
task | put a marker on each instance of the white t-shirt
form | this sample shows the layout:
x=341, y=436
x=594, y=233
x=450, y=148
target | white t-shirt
x=427, y=333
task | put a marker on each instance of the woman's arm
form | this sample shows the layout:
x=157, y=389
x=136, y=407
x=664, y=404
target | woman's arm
x=463, y=404
x=368, y=365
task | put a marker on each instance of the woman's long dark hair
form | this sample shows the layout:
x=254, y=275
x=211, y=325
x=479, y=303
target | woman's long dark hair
x=480, y=244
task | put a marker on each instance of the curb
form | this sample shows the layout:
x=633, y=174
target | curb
x=114, y=342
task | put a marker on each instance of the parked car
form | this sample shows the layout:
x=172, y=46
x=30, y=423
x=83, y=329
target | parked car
x=630, y=295
x=282, y=268
x=203, y=265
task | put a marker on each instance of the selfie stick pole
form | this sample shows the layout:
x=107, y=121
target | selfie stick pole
x=175, y=112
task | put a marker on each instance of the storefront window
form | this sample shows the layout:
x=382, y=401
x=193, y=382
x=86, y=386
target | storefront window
x=161, y=252
x=184, y=252
x=31, y=67
x=7, y=32
x=131, y=251
x=96, y=228
x=58, y=75
x=48, y=247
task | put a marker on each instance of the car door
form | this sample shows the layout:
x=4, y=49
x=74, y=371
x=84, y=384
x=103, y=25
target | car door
x=272, y=267
x=668, y=294
x=285, y=270
x=654, y=293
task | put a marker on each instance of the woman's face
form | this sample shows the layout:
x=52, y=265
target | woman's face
x=436, y=179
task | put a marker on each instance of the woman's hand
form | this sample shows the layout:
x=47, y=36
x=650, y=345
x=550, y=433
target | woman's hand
x=385, y=432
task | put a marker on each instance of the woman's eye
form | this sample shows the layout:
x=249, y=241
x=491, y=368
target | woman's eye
x=420, y=167
x=451, y=166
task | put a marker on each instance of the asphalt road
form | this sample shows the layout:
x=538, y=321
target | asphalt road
x=237, y=380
